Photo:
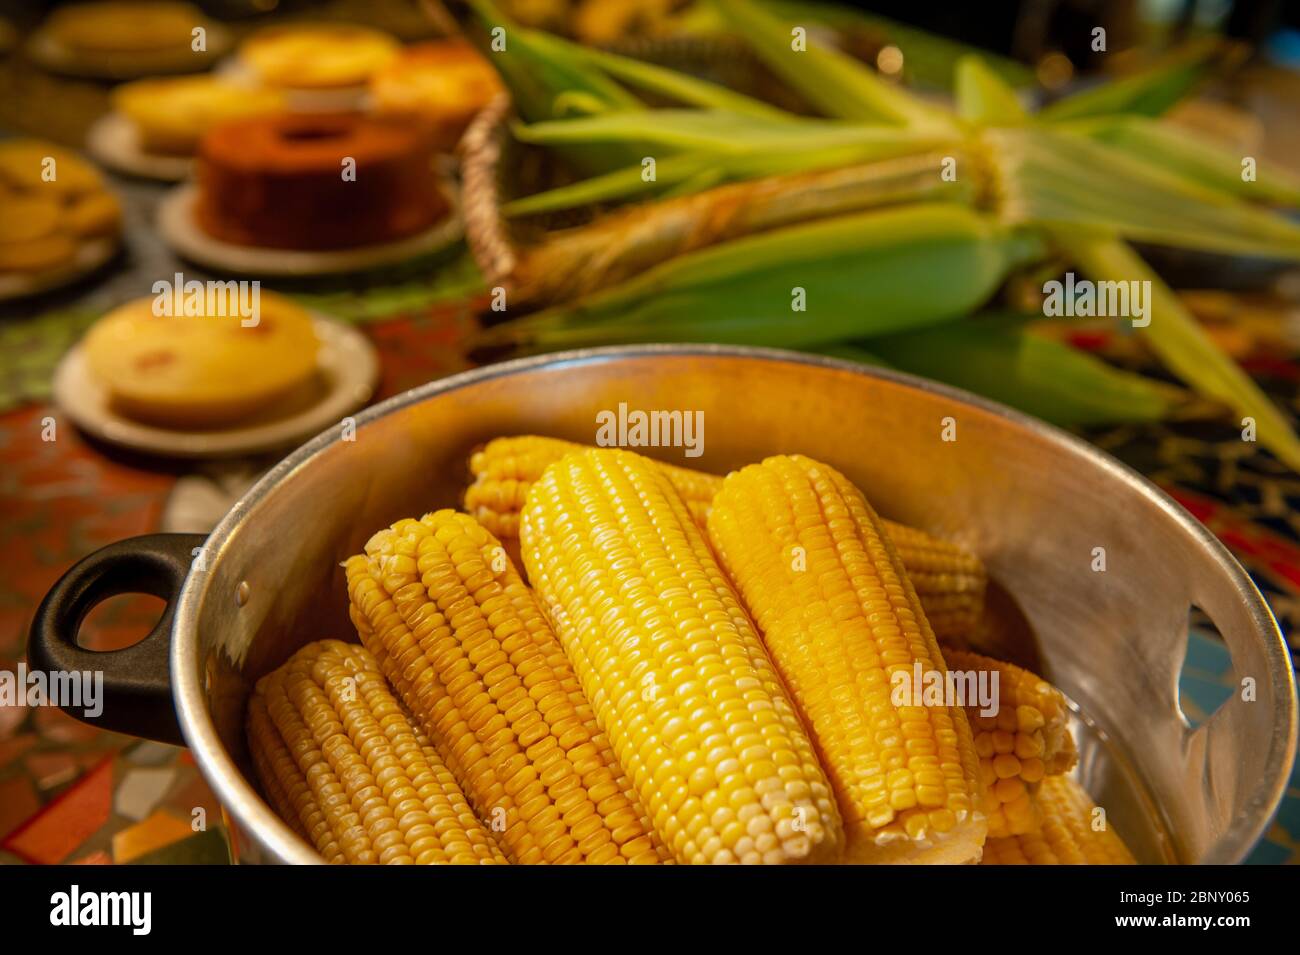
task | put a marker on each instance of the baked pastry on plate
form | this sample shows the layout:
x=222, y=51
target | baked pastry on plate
x=51, y=202
x=444, y=82
x=201, y=370
x=317, y=56
x=171, y=114
x=317, y=181
x=120, y=39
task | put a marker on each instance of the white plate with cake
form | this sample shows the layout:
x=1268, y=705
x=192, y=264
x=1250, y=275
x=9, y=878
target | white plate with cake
x=156, y=124
x=125, y=39
x=212, y=385
x=58, y=221
x=300, y=194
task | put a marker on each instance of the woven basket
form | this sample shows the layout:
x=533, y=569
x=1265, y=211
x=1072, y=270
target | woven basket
x=496, y=168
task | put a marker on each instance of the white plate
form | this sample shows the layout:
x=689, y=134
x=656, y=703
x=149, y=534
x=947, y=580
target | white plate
x=348, y=369
x=115, y=142
x=90, y=255
x=50, y=53
x=177, y=225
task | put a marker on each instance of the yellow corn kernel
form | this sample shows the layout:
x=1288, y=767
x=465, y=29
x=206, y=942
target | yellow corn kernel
x=1073, y=832
x=835, y=608
x=465, y=644
x=1027, y=739
x=343, y=764
x=949, y=580
x=673, y=667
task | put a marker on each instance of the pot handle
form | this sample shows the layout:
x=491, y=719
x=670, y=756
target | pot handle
x=136, y=693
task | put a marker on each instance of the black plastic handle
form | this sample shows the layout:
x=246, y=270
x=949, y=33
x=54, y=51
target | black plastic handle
x=137, y=690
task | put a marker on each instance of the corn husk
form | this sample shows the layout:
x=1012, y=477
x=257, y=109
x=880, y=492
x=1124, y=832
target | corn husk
x=848, y=276
x=1180, y=342
x=624, y=244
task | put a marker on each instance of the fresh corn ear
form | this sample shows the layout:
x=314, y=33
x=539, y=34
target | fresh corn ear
x=343, y=765
x=949, y=580
x=854, y=275
x=463, y=641
x=830, y=596
x=1027, y=740
x=1073, y=832
x=673, y=667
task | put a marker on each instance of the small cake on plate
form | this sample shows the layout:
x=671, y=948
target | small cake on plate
x=202, y=362
x=118, y=26
x=317, y=56
x=444, y=82
x=51, y=201
x=314, y=181
x=170, y=115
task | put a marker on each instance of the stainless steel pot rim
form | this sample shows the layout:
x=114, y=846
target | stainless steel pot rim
x=247, y=808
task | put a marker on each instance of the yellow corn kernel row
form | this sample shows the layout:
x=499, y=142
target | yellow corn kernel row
x=674, y=669
x=342, y=763
x=1073, y=832
x=835, y=608
x=465, y=645
x=1027, y=740
x=949, y=580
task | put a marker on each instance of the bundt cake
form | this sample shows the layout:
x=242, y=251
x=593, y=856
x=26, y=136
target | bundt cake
x=317, y=181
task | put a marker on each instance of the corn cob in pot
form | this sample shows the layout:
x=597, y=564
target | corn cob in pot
x=468, y=651
x=836, y=610
x=673, y=667
x=345, y=767
x=1073, y=832
x=949, y=580
x=1027, y=740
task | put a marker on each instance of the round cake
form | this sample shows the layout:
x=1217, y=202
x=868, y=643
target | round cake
x=123, y=26
x=317, y=55
x=203, y=368
x=443, y=82
x=171, y=115
x=317, y=181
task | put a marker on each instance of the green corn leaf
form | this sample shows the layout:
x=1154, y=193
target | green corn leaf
x=1192, y=157
x=1052, y=175
x=855, y=275
x=537, y=68
x=1037, y=375
x=619, y=184
x=833, y=82
x=1180, y=342
x=1150, y=92
x=675, y=85
x=719, y=131
x=982, y=96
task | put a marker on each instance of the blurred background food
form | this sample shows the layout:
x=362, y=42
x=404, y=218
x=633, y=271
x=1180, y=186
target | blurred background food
x=625, y=170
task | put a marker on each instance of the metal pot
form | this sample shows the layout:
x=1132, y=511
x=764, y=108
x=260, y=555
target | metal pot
x=1033, y=502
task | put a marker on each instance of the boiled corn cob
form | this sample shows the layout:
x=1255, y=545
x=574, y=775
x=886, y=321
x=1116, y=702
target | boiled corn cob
x=949, y=580
x=345, y=767
x=673, y=666
x=1073, y=832
x=464, y=643
x=837, y=612
x=1027, y=740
